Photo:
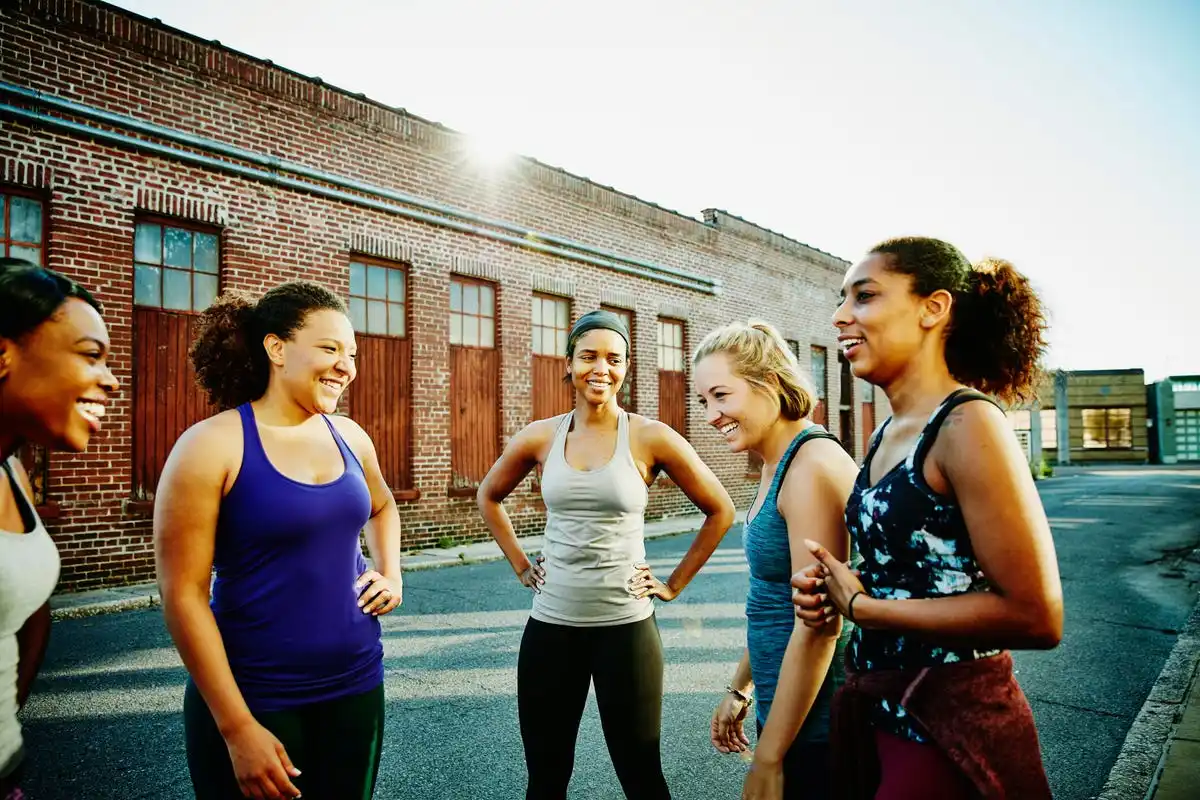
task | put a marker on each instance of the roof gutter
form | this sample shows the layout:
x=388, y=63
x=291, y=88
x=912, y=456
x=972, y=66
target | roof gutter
x=272, y=170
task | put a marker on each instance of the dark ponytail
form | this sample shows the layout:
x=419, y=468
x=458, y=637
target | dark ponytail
x=228, y=355
x=996, y=336
x=30, y=295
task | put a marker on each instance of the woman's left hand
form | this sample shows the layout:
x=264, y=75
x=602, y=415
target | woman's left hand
x=644, y=584
x=763, y=782
x=378, y=594
x=841, y=584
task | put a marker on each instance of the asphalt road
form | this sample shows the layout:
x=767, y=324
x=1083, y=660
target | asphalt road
x=105, y=720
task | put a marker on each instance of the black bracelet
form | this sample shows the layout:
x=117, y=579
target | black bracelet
x=850, y=606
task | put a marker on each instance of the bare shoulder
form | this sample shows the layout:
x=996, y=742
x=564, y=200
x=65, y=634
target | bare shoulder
x=974, y=422
x=541, y=430
x=534, y=439
x=217, y=429
x=975, y=441
x=357, y=439
x=820, y=463
x=651, y=431
x=350, y=430
x=216, y=441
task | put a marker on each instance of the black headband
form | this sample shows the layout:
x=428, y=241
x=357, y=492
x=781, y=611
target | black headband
x=597, y=320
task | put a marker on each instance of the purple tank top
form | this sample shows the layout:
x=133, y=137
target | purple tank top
x=287, y=556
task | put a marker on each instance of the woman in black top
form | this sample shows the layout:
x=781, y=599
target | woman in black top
x=958, y=562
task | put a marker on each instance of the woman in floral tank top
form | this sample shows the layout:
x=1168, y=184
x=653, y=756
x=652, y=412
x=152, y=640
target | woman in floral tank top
x=958, y=561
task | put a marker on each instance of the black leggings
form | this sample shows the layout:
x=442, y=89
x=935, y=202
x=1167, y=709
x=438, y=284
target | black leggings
x=335, y=744
x=806, y=770
x=556, y=664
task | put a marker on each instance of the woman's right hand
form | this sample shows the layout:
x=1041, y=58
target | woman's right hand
x=811, y=598
x=534, y=575
x=728, y=734
x=262, y=766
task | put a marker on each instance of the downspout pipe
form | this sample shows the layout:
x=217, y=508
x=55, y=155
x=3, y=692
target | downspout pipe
x=275, y=164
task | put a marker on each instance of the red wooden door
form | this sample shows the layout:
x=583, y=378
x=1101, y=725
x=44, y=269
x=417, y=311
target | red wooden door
x=167, y=400
x=846, y=407
x=626, y=397
x=820, y=376
x=381, y=402
x=820, y=414
x=551, y=395
x=36, y=460
x=474, y=413
x=672, y=399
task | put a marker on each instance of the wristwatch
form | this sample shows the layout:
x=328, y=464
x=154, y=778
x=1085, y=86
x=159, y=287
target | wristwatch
x=747, y=701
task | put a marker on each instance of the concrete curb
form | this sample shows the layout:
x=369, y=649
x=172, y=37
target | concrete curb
x=131, y=598
x=148, y=599
x=1139, y=765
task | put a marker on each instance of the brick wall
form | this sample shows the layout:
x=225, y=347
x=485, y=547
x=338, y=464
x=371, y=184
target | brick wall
x=108, y=59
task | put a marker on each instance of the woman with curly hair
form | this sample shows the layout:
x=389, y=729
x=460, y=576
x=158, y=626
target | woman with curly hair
x=958, y=561
x=54, y=385
x=286, y=664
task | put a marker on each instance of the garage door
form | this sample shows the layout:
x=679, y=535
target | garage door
x=1187, y=434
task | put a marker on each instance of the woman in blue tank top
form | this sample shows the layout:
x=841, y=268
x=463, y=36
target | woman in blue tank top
x=958, y=561
x=750, y=386
x=286, y=664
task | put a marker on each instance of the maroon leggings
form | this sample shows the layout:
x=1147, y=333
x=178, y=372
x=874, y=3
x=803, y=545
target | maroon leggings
x=914, y=771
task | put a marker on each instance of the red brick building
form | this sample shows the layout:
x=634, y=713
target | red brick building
x=158, y=168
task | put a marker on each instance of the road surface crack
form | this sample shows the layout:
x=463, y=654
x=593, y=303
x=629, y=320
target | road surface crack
x=1074, y=707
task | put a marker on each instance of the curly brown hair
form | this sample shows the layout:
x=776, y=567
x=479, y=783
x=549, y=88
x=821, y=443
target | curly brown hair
x=228, y=356
x=996, y=337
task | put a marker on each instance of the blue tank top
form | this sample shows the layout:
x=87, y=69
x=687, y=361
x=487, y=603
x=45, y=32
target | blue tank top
x=914, y=544
x=286, y=558
x=770, y=616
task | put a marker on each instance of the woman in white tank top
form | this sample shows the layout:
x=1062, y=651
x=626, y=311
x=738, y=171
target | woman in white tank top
x=54, y=382
x=593, y=619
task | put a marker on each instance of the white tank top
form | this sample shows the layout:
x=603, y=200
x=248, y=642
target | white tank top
x=594, y=536
x=28, y=573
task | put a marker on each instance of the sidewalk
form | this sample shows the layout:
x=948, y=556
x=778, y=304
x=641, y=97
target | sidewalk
x=144, y=595
x=1160, y=759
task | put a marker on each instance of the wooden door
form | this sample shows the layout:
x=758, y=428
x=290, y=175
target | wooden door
x=551, y=395
x=474, y=413
x=672, y=399
x=381, y=402
x=166, y=398
x=627, y=396
x=846, y=405
x=820, y=374
x=868, y=420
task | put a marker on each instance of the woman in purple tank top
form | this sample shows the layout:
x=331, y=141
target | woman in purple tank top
x=286, y=663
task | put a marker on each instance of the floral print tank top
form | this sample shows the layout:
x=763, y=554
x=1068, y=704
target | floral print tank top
x=914, y=544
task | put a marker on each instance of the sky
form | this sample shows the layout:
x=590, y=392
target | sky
x=1060, y=135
